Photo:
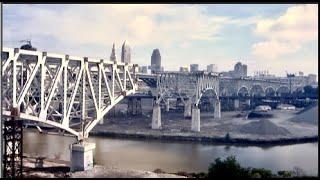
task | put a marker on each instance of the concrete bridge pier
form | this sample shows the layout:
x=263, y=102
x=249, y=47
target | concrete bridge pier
x=217, y=109
x=187, y=109
x=195, y=120
x=156, y=117
x=167, y=105
x=101, y=121
x=248, y=102
x=81, y=156
x=236, y=104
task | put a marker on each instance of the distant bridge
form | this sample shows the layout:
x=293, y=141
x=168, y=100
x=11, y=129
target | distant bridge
x=232, y=87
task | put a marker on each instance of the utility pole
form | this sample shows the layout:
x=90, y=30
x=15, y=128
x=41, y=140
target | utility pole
x=290, y=76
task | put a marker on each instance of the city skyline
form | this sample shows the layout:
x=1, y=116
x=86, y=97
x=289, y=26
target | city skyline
x=275, y=37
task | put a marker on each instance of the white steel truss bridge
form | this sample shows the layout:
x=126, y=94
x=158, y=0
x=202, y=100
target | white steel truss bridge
x=68, y=92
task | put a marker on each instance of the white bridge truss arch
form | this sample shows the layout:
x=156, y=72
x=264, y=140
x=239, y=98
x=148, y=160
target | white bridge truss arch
x=189, y=86
x=68, y=92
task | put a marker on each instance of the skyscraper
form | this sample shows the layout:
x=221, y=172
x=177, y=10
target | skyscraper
x=194, y=67
x=212, y=68
x=126, y=53
x=245, y=70
x=240, y=70
x=183, y=69
x=113, y=54
x=155, y=61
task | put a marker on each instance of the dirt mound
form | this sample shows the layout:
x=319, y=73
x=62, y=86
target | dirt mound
x=309, y=116
x=263, y=127
x=257, y=114
x=308, y=107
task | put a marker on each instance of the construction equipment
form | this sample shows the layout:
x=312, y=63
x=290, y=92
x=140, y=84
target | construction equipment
x=290, y=75
x=28, y=45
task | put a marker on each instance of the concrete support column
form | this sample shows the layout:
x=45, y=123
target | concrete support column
x=195, y=120
x=156, y=117
x=187, y=109
x=139, y=106
x=248, y=102
x=167, y=105
x=236, y=104
x=217, y=109
x=81, y=156
x=130, y=106
x=101, y=121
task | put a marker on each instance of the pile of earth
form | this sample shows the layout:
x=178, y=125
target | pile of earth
x=263, y=127
x=309, y=115
x=258, y=114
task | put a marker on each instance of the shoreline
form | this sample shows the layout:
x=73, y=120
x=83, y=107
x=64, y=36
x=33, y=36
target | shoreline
x=194, y=139
x=204, y=139
x=55, y=168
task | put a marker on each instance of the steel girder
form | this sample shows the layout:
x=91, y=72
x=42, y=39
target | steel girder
x=68, y=92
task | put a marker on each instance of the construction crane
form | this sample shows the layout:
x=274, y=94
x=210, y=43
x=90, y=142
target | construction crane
x=28, y=45
x=290, y=75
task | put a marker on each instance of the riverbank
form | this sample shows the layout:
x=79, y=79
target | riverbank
x=42, y=167
x=205, y=139
x=231, y=128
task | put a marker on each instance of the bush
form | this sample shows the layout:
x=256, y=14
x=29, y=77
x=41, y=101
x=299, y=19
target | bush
x=264, y=173
x=298, y=172
x=158, y=171
x=227, y=136
x=230, y=168
x=256, y=175
x=227, y=168
x=199, y=175
x=182, y=173
x=285, y=174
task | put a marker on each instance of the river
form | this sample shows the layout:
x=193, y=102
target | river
x=176, y=156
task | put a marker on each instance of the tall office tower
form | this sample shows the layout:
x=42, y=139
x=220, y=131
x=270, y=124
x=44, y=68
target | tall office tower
x=126, y=53
x=240, y=70
x=143, y=69
x=212, y=68
x=155, y=61
x=113, y=54
x=245, y=70
x=183, y=69
x=194, y=67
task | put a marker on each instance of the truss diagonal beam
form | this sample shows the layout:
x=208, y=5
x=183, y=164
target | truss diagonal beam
x=49, y=88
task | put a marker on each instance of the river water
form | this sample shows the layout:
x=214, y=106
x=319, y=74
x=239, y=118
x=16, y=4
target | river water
x=177, y=156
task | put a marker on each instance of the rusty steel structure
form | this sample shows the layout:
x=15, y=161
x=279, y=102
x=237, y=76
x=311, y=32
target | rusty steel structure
x=13, y=148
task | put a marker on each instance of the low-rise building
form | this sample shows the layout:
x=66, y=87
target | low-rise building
x=263, y=108
x=286, y=107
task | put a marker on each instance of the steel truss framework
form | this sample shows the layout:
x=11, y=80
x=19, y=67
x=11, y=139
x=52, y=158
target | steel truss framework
x=68, y=92
x=13, y=149
x=191, y=86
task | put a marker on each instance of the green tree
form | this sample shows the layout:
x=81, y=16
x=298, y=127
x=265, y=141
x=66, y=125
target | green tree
x=264, y=173
x=285, y=174
x=310, y=91
x=227, y=168
x=227, y=136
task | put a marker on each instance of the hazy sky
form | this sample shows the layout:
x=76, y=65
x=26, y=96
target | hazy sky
x=277, y=38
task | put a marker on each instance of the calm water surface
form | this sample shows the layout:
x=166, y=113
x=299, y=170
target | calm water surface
x=177, y=156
